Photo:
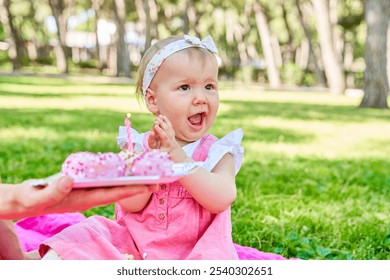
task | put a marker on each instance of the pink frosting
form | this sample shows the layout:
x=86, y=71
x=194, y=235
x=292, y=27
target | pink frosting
x=152, y=162
x=87, y=165
x=128, y=157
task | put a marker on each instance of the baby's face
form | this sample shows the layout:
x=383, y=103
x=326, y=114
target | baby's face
x=186, y=91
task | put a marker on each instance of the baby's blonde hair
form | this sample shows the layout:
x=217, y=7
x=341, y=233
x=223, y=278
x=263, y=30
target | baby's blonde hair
x=149, y=55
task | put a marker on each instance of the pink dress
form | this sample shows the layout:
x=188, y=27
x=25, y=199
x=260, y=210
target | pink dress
x=172, y=225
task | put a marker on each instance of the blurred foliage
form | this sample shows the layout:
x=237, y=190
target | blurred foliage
x=229, y=22
x=2, y=33
x=292, y=74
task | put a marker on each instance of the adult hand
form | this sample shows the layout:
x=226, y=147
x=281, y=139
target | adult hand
x=24, y=200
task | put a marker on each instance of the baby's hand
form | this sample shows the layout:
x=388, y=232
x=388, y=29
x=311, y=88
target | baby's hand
x=162, y=135
x=154, y=140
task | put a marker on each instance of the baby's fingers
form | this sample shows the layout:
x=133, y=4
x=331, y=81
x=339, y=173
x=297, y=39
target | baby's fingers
x=164, y=137
x=164, y=122
x=160, y=132
x=154, y=140
x=167, y=122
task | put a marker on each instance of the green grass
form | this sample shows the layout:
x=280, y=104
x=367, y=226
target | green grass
x=315, y=182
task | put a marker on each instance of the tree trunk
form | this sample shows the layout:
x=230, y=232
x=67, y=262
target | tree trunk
x=123, y=59
x=32, y=46
x=289, y=52
x=317, y=69
x=153, y=11
x=148, y=24
x=147, y=13
x=96, y=4
x=143, y=12
x=266, y=42
x=57, y=8
x=333, y=67
x=376, y=85
x=6, y=20
x=241, y=46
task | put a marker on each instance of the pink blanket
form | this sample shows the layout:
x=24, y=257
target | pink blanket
x=33, y=231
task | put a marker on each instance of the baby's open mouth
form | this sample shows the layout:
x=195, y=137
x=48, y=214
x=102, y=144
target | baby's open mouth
x=196, y=119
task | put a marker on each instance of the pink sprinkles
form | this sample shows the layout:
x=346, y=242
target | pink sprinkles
x=87, y=165
x=152, y=163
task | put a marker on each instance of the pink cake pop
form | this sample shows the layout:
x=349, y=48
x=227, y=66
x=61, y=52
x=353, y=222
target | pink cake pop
x=87, y=165
x=152, y=163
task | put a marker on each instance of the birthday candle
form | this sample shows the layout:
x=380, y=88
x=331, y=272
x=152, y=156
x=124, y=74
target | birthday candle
x=128, y=132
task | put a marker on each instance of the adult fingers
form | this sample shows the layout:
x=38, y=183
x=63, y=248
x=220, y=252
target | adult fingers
x=35, y=199
x=58, y=189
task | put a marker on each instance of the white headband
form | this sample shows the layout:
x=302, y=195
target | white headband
x=188, y=42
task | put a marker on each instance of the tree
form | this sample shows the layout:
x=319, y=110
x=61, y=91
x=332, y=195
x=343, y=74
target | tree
x=96, y=6
x=189, y=16
x=57, y=8
x=123, y=60
x=266, y=42
x=332, y=65
x=376, y=85
x=14, y=41
x=317, y=69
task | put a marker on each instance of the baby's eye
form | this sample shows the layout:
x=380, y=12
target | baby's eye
x=209, y=87
x=184, y=87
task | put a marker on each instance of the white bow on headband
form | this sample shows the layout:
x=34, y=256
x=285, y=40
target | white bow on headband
x=207, y=43
x=188, y=42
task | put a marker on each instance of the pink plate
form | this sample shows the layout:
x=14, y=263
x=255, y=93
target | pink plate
x=126, y=180
x=179, y=170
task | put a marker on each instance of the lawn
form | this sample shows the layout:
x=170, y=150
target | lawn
x=315, y=182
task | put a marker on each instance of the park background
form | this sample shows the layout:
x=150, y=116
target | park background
x=306, y=80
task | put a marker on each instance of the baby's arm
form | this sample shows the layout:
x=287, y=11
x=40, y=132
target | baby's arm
x=135, y=203
x=215, y=190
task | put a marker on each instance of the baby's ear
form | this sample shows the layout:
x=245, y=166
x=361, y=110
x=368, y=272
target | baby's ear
x=151, y=101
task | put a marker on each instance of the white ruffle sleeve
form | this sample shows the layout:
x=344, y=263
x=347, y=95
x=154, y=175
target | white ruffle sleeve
x=230, y=143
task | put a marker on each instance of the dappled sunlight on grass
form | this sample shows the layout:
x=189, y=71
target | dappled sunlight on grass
x=317, y=138
x=65, y=92
x=21, y=134
x=308, y=97
x=124, y=104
